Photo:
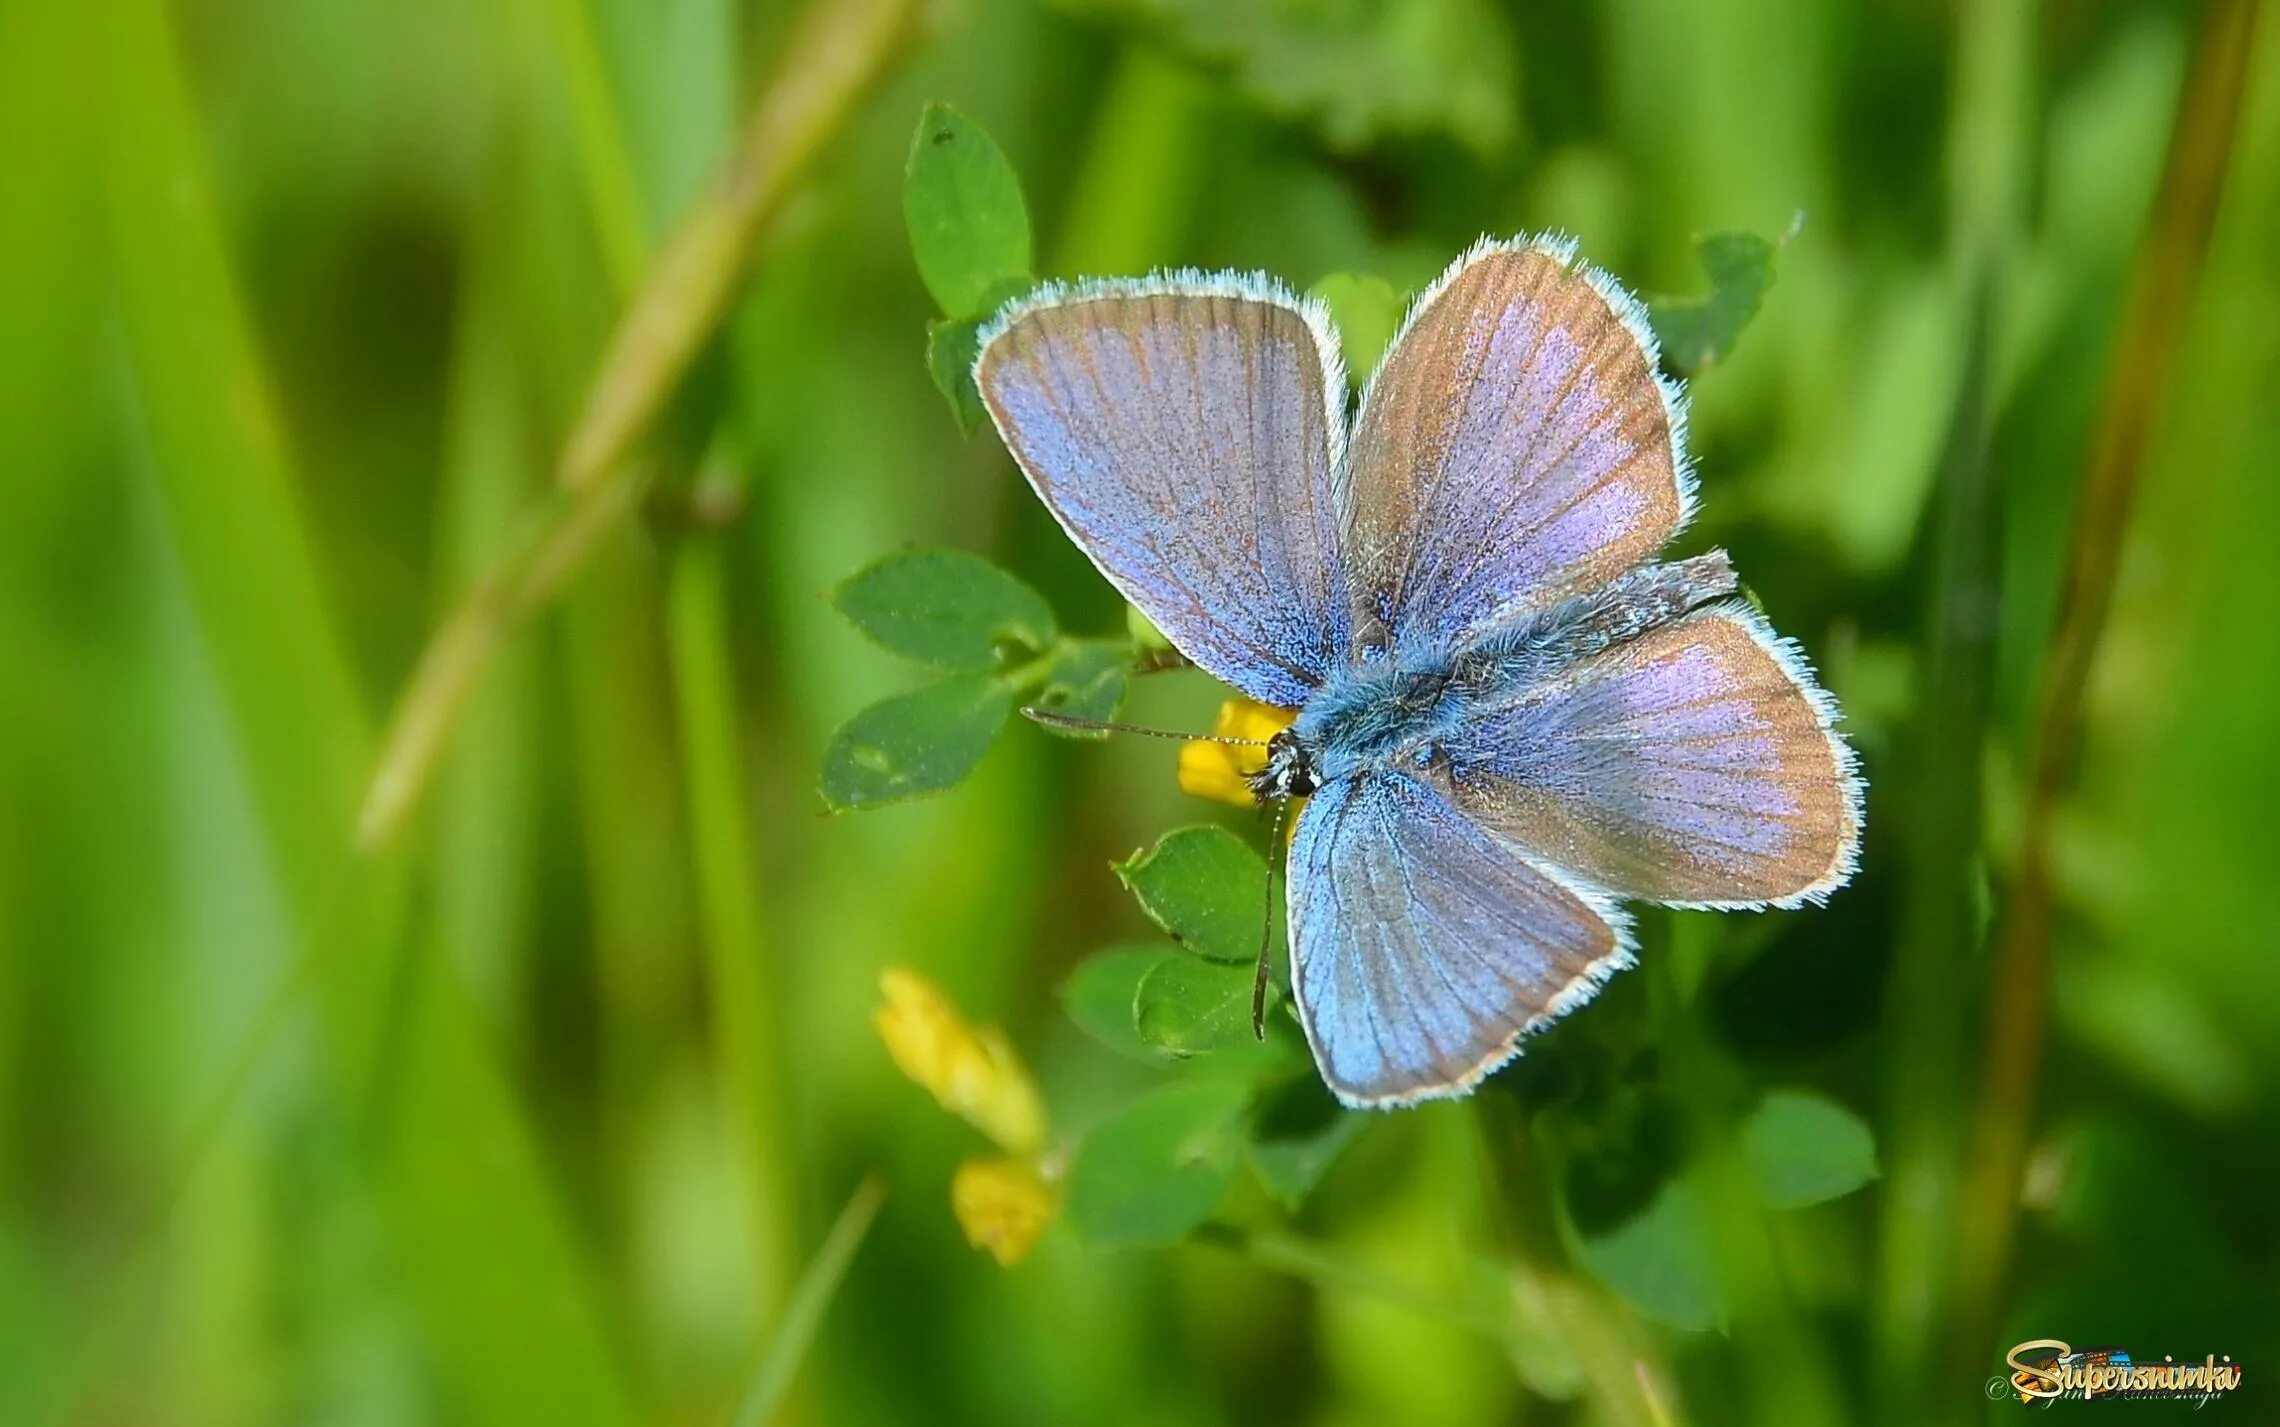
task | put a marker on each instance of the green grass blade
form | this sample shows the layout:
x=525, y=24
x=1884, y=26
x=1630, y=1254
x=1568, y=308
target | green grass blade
x=494, y=1275
x=803, y=1314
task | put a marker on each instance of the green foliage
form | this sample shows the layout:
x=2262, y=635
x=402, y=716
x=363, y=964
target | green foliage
x=1300, y=1132
x=1103, y=997
x=950, y=351
x=1698, y=332
x=1359, y=73
x=1157, y=1169
x=1182, y=1009
x=446, y=1154
x=1186, y=1005
x=969, y=233
x=1368, y=312
x=1086, y=679
x=916, y=743
x=1806, y=1148
x=945, y=608
x=1206, y=887
x=950, y=610
x=1660, y=1260
x=969, y=228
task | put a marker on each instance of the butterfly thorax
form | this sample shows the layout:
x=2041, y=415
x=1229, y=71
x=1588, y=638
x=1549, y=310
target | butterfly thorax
x=1400, y=709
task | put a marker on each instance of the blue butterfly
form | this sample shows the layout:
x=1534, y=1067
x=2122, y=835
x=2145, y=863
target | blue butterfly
x=1510, y=716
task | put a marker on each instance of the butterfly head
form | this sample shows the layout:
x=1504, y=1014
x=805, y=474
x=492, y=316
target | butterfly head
x=1289, y=772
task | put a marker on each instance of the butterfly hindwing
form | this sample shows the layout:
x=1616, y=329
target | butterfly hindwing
x=1517, y=444
x=1186, y=432
x=1695, y=764
x=1425, y=945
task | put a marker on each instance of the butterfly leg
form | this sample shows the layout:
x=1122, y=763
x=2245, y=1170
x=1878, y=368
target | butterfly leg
x=1267, y=927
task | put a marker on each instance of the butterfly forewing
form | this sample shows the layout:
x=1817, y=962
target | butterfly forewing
x=1516, y=445
x=1695, y=765
x=1184, y=433
x=1425, y=945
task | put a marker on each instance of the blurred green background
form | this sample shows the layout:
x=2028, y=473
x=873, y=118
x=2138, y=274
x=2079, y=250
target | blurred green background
x=535, y=1114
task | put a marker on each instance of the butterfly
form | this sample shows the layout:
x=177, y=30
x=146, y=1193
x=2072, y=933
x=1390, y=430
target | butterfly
x=1511, y=717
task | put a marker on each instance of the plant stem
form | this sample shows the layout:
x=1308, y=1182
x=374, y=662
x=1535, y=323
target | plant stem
x=443, y=1154
x=1928, y=1040
x=841, y=48
x=563, y=532
x=2165, y=277
x=739, y=971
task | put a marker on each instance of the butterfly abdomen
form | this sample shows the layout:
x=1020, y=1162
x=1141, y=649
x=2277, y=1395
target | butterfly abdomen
x=1539, y=645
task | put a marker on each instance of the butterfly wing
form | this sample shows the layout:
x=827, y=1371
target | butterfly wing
x=1185, y=432
x=1696, y=764
x=1424, y=944
x=1516, y=445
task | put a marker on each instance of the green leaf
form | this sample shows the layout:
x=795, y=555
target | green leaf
x=1102, y=996
x=1158, y=1169
x=1300, y=1133
x=1659, y=1260
x=1367, y=311
x=1698, y=332
x=915, y=744
x=1143, y=633
x=1186, y=1006
x=1357, y=72
x=1085, y=681
x=944, y=608
x=950, y=352
x=1206, y=887
x=1806, y=1148
x=969, y=229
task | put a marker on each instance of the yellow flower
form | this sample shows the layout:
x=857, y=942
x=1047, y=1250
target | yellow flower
x=971, y=1070
x=1003, y=1205
x=1218, y=770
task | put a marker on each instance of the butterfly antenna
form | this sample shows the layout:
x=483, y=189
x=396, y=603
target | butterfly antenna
x=1267, y=928
x=1093, y=725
